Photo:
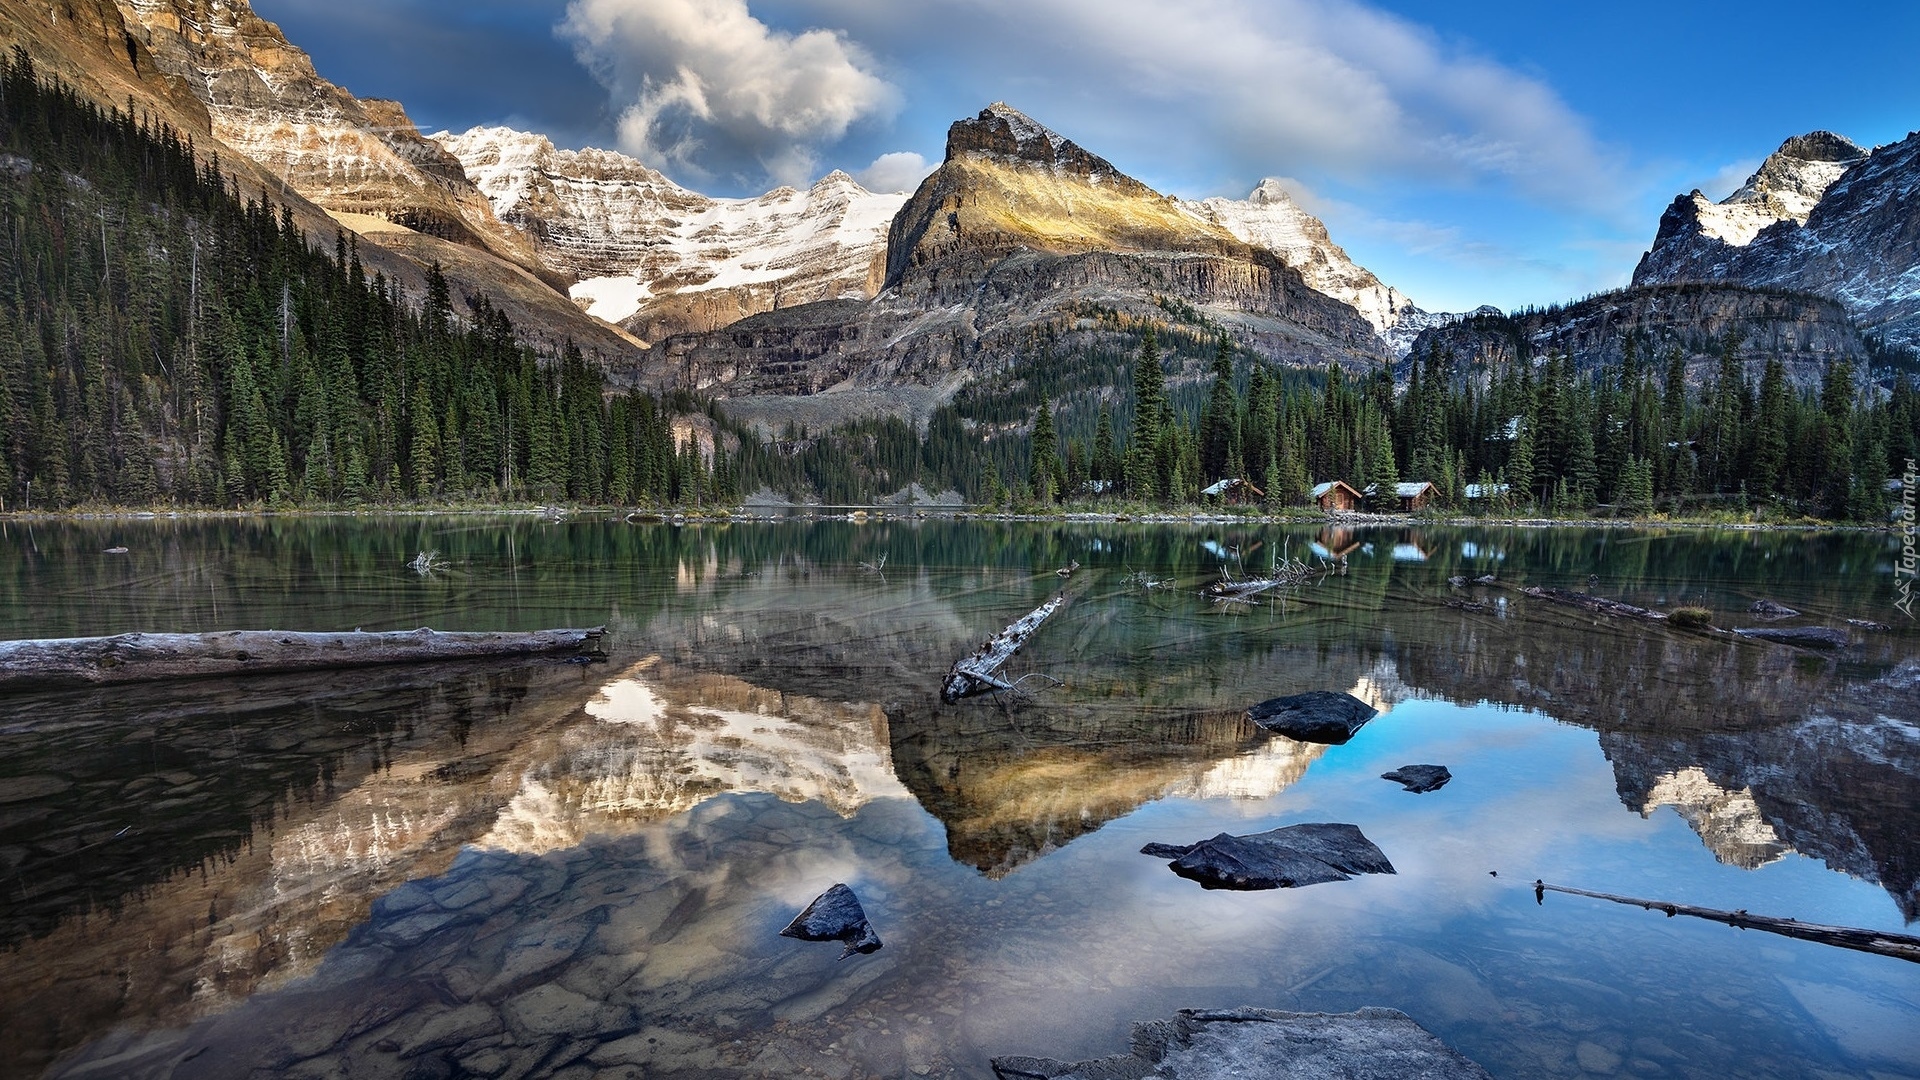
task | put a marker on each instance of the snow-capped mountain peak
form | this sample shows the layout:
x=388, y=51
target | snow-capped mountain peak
x=1269, y=217
x=1788, y=185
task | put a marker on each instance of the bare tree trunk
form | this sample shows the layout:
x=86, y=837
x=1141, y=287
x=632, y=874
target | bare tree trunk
x=975, y=674
x=140, y=657
x=1883, y=942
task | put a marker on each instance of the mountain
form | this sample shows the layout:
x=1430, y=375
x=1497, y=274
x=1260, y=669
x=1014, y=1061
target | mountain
x=218, y=68
x=1821, y=216
x=660, y=259
x=1269, y=218
x=1021, y=244
x=264, y=99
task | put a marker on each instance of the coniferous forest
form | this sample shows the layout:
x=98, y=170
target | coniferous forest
x=167, y=338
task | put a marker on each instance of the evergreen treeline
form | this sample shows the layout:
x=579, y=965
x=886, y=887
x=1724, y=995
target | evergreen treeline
x=165, y=339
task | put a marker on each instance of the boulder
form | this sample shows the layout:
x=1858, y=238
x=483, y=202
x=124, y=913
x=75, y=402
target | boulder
x=1419, y=779
x=1807, y=637
x=835, y=915
x=1319, y=716
x=1285, y=858
x=1197, y=1044
x=1771, y=610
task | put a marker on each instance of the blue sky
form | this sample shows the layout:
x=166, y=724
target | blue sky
x=1485, y=151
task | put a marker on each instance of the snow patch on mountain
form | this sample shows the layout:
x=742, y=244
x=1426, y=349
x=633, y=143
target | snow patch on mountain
x=631, y=235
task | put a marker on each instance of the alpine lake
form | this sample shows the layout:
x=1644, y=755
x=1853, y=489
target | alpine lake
x=536, y=868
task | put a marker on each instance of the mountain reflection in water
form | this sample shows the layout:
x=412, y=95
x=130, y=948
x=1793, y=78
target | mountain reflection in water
x=612, y=844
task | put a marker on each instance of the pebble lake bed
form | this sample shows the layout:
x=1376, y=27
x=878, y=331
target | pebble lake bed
x=528, y=868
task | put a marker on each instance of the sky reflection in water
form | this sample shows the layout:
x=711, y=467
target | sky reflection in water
x=601, y=862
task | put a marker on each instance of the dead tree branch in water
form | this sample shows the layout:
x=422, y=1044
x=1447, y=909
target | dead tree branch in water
x=1882, y=942
x=975, y=674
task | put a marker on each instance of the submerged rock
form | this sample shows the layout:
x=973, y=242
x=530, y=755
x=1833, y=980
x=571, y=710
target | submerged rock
x=1807, y=637
x=1419, y=778
x=1205, y=1044
x=1286, y=858
x=1771, y=610
x=835, y=915
x=1318, y=716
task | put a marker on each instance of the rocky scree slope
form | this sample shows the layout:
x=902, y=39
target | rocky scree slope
x=1821, y=216
x=660, y=259
x=1012, y=241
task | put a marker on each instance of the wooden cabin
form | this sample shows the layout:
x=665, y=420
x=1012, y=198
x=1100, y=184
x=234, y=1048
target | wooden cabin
x=1337, y=496
x=1414, y=495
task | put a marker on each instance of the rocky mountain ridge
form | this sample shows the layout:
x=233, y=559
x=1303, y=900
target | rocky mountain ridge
x=1696, y=320
x=645, y=252
x=1821, y=216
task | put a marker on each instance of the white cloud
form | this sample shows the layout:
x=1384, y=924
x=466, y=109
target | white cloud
x=901, y=170
x=706, y=89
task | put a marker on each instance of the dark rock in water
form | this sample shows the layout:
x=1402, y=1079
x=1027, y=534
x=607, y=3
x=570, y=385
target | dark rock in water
x=1808, y=637
x=1485, y=579
x=835, y=915
x=1319, y=716
x=1419, y=778
x=1770, y=610
x=1458, y=581
x=1285, y=858
x=1205, y=1044
x=1868, y=624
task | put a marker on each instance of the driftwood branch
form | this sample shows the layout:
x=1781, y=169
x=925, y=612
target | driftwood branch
x=127, y=658
x=1885, y=943
x=975, y=674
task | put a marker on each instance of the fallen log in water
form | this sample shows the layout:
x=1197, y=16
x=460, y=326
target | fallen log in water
x=1885, y=943
x=973, y=675
x=127, y=658
x=1597, y=604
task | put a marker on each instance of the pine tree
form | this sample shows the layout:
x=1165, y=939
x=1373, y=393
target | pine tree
x=1044, y=467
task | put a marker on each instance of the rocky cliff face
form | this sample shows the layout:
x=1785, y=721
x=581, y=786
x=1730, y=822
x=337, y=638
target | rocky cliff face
x=1821, y=216
x=1806, y=332
x=1014, y=240
x=660, y=259
x=265, y=100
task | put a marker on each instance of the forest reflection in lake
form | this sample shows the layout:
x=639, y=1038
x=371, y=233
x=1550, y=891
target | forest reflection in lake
x=577, y=870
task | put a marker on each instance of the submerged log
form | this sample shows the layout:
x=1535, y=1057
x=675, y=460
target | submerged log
x=126, y=658
x=974, y=675
x=1883, y=942
x=1597, y=604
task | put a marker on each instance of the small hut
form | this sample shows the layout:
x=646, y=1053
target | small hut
x=1337, y=495
x=1236, y=492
